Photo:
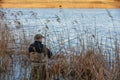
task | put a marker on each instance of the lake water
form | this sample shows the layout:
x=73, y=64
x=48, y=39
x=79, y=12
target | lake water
x=64, y=24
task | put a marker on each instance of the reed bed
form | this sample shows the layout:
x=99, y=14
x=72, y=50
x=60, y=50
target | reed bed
x=90, y=63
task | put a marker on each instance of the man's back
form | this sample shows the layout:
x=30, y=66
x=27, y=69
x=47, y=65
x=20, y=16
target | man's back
x=39, y=48
x=36, y=47
x=38, y=51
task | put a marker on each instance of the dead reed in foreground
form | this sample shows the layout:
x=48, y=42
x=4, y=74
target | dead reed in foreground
x=88, y=65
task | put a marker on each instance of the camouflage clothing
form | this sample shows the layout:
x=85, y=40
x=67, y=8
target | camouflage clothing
x=38, y=72
x=40, y=48
x=37, y=56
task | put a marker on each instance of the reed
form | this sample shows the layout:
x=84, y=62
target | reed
x=90, y=63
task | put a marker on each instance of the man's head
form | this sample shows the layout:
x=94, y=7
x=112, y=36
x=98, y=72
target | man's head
x=38, y=37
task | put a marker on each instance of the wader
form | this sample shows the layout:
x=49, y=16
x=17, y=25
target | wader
x=38, y=71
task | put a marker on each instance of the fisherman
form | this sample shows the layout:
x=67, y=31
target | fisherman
x=38, y=52
x=37, y=46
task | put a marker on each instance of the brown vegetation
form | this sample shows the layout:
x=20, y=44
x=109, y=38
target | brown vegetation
x=88, y=65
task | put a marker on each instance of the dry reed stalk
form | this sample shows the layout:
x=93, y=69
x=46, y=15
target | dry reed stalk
x=87, y=66
x=116, y=69
x=5, y=52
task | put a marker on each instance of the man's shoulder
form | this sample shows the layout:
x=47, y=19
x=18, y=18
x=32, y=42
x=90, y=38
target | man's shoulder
x=32, y=44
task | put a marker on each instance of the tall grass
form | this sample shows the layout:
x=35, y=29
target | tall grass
x=91, y=63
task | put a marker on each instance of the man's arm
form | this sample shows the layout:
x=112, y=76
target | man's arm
x=47, y=51
x=30, y=49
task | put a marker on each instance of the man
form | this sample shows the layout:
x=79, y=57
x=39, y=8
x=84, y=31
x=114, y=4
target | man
x=37, y=46
x=37, y=50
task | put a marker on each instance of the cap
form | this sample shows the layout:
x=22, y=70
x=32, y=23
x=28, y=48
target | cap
x=38, y=36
